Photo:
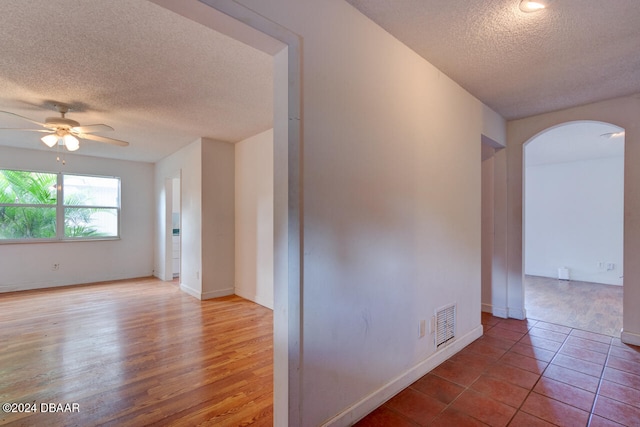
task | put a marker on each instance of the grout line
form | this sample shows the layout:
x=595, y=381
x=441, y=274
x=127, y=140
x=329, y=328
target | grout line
x=497, y=362
x=402, y=415
x=537, y=381
x=595, y=398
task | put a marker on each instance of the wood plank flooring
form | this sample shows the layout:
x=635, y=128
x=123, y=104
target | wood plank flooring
x=135, y=353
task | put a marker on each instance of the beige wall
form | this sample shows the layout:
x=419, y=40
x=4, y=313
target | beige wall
x=218, y=222
x=254, y=218
x=623, y=112
x=391, y=213
x=389, y=179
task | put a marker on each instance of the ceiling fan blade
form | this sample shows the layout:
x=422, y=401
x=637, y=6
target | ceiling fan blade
x=91, y=128
x=102, y=139
x=30, y=130
x=23, y=118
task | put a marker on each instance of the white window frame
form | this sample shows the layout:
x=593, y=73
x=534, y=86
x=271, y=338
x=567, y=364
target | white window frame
x=61, y=207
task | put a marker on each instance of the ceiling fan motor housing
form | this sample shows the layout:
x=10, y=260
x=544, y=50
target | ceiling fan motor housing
x=60, y=123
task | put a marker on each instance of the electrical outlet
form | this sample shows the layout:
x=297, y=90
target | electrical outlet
x=422, y=328
x=197, y=275
x=55, y=267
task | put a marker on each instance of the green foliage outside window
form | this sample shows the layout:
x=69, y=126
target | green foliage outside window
x=29, y=207
x=27, y=188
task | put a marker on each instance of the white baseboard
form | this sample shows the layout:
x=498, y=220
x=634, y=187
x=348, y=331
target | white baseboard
x=517, y=313
x=630, y=338
x=206, y=295
x=218, y=293
x=501, y=312
x=496, y=311
x=15, y=287
x=192, y=292
x=256, y=297
x=360, y=409
x=505, y=312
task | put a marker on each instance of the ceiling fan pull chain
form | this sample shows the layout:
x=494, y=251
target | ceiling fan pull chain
x=58, y=158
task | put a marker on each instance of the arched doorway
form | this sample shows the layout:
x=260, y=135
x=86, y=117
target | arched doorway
x=623, y=112
x=573, y=211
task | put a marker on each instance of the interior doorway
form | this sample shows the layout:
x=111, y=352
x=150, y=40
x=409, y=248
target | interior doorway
x=175, y=227
x=246, y=25
x=573, y=211
x=493, y=231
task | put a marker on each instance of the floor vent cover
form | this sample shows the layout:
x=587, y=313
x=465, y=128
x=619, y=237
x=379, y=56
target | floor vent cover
x=445, y=325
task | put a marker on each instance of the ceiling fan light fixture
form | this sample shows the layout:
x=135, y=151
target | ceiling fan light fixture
x=50, y=140
x=531, y=6
x=71, y=142
x=612, y=135
x=66, y=132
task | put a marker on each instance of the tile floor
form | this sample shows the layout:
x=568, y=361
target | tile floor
x=524, y=373
x=582, y=305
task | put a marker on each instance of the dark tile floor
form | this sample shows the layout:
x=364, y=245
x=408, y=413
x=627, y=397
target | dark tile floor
x=524, y=373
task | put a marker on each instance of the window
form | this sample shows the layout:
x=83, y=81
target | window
x=37, y=206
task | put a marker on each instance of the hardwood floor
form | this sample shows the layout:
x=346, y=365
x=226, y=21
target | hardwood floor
x=134, y=353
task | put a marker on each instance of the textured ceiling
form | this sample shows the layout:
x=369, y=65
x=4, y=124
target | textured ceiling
x=522, y=64
x=160, y=80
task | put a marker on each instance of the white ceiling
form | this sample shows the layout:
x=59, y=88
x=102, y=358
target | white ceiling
x=163, y=81
x=160, y=80
x=574, y=141
x=522, y=64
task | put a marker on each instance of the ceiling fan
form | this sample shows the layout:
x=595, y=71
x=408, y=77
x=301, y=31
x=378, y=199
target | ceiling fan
x=65, y=132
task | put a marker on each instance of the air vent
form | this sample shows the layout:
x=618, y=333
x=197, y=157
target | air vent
x=445, y=325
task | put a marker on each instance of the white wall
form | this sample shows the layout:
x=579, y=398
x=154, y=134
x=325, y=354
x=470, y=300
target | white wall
x=391, y=213
x=254, y=218
x=207, y=234
x=574, y=219
x=488, y=228
x=28, y=266
x=175, y=188
x=187, y=164
x=494, y=277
